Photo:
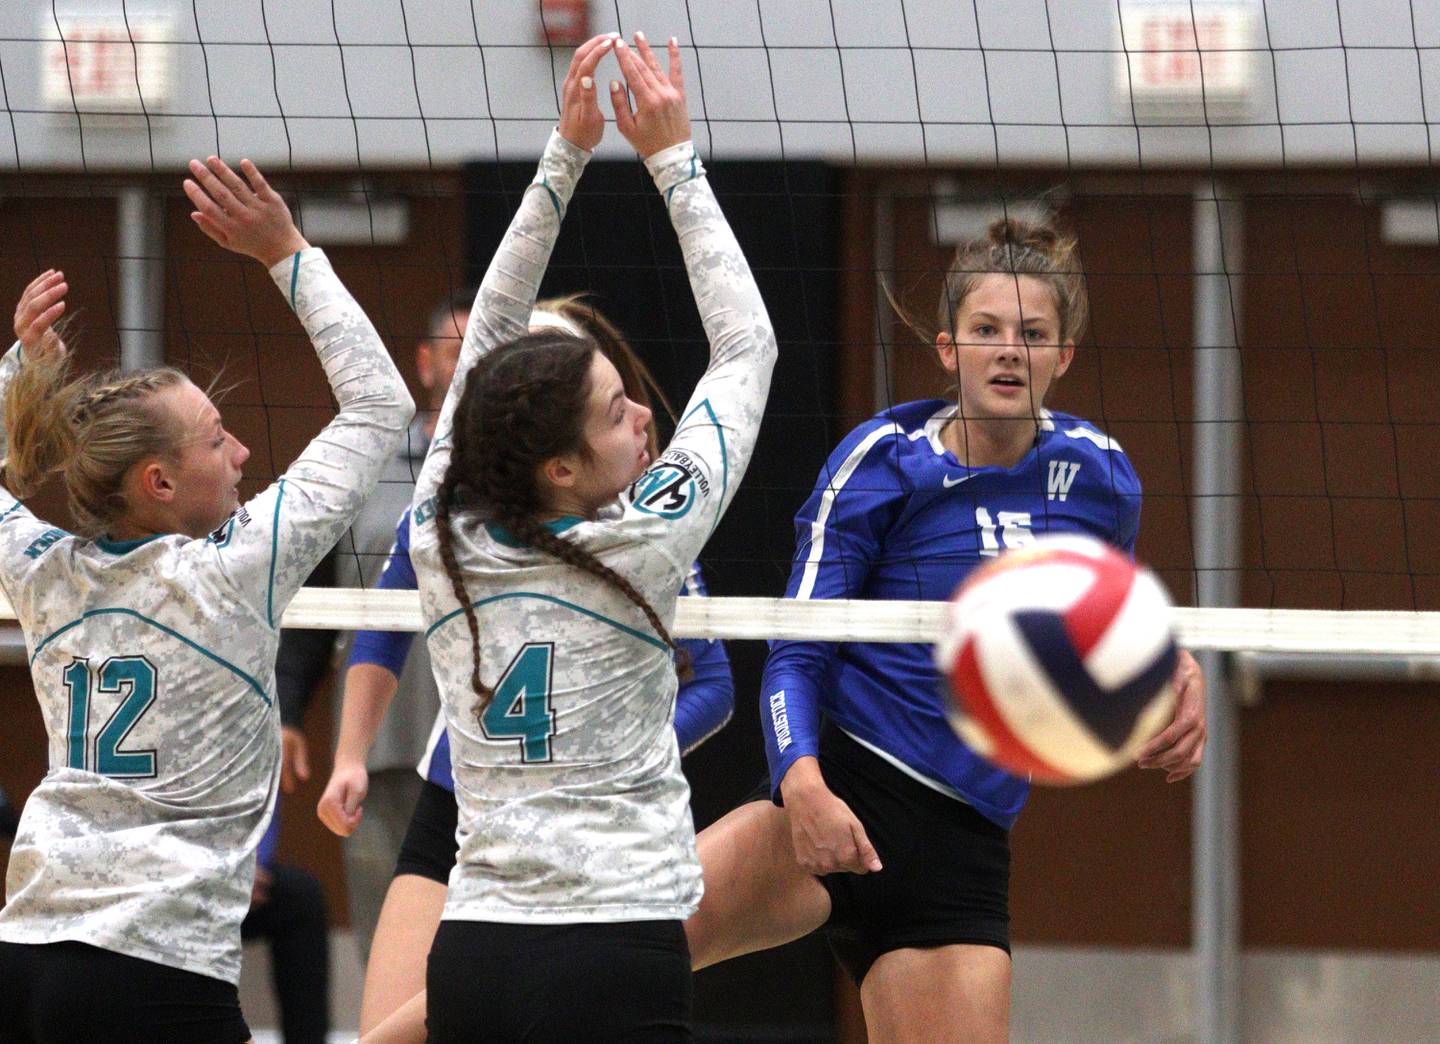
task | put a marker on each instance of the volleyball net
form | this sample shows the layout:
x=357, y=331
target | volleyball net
x=1252, y=188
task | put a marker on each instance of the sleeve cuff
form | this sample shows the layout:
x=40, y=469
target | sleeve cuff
x=563, y=146
x=286, y=274
x=675, y=166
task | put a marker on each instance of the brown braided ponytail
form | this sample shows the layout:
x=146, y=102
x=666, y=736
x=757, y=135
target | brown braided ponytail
x=92, y=429
x=521, y=405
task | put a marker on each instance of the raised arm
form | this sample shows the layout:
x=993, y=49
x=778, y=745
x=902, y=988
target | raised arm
x=507, y=294
x=40, y=306
x=692, y=483
x=274, y=541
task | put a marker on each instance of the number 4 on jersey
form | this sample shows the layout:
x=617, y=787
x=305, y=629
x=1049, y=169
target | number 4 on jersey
x=520, y=708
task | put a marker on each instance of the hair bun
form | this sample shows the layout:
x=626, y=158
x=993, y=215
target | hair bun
x=1026, y=235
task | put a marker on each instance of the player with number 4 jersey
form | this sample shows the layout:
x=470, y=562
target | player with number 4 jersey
x=152, y=638
x=550, y=551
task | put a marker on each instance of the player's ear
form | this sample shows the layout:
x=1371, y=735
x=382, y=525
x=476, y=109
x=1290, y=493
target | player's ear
x=945, y=348
x=560, y=472
x=425, y=364
x=1067, y=356
x=155, y=482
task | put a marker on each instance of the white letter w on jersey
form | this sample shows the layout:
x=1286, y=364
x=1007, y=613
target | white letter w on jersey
x=1061, y=478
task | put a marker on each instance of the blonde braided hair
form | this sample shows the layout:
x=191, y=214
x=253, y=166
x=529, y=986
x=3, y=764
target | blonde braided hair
x=92, y=429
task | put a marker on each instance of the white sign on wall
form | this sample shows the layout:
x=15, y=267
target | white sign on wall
x=1183, y=60
x=108, y=64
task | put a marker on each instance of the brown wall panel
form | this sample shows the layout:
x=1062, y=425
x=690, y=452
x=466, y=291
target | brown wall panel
x=1340, y=790
x=225, y=321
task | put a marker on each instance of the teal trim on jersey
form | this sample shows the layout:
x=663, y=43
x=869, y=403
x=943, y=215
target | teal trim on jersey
x=294, y=277
x=159, y=627
x=274, y=553
x=694, y=173
x=501, y=535
x=724, y=456
x=124, y=547
x=553, y=601
x=544, y=183
x=11, y=510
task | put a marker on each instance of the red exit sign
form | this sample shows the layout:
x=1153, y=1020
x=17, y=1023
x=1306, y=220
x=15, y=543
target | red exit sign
x=1176, y=52
x=103, y=64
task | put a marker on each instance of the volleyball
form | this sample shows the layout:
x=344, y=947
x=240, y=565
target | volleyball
x=1059, y=657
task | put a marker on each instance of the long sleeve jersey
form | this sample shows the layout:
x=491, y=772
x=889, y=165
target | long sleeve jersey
x=572, y=805
x=894, y=515
x=703, y=705
x=154, y=664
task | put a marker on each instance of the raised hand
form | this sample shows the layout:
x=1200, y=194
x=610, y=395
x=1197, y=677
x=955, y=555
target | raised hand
x=660, y=118
x=248, y=216
x=40, y=306
x=582, y=123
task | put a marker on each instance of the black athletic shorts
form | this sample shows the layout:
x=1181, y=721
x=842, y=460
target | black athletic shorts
x=430, y=848
x=72, y=993
x=946, y=876
x=628, y=981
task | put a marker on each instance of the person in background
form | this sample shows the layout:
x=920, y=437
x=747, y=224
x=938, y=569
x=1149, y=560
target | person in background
x=287, y=910
x=306, y=656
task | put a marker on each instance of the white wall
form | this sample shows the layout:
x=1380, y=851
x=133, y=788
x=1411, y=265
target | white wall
x=868, y=80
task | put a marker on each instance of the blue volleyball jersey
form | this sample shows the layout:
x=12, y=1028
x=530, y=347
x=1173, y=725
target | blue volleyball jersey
x=894, y=515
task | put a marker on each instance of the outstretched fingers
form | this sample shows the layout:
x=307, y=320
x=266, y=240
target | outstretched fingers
x=239, y=191
x=624, y=114
x=637, y=74
x=258, y=185
x=642, y=46
x=209, y=182
x=677, y=77
x=588, y=55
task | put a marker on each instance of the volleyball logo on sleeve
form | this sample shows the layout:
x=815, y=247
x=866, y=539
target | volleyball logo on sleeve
x=1059, y=658
x=666, y=490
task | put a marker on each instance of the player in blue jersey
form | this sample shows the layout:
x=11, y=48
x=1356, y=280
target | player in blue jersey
x=152, y=635
x=416, y=898
x=893, y=834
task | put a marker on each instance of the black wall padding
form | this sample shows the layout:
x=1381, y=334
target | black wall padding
x=618, y=244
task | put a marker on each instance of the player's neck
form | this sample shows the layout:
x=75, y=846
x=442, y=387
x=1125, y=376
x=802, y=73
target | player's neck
x=993, y=443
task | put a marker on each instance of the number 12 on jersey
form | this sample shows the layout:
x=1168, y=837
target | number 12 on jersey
x=520, y=708
x=133, y=679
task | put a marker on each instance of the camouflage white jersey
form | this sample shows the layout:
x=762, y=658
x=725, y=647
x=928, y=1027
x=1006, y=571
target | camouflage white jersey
x=154, y=664
x=572, y=804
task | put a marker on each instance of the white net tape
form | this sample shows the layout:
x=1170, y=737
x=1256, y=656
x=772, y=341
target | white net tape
x=1228, y=630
